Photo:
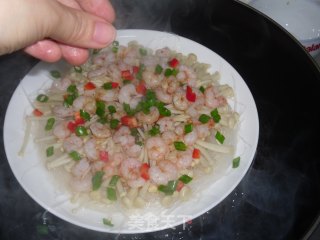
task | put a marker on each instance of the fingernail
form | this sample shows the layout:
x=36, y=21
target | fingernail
x=103, y=33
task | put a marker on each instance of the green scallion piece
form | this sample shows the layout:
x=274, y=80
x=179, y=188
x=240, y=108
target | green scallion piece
x=85, y=115
x=215, y=115
x=50, y=151
x=72, y=88
x=107, y=86
x=111, y=194
x=169, y=188
x=75, y=155
x=236, y=162
x=139, y=73
x=114, y=180
x=180, y=146
x=42, y=98
x=77, y=69
x=107, y=222
x=185, y=179
x=163, y=111
x=112, y=109
x=81, y=131
x=158, y=69
x=143, y=51
x=128, y=110
x=155, y=130
x=202, y=89
x=68, y=101
x=97, y=180
x=174, y=72
x=49, y=124
x=55, y=74
x=219, y=137
x=168, y=72
x=100, y=108
x=115, y=43
x=114, y=123
x=204, y=118
x=188, y=128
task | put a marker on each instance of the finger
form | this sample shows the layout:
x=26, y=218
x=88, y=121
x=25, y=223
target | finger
x=75, y=56
x=45, y=50
x=81, y=29
x=100, y=8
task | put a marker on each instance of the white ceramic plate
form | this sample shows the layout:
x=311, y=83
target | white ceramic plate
x=34, y=178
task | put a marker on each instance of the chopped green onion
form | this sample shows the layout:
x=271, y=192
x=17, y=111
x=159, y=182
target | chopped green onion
x=107, y=222
x=114, y=180
x=115, y=43
x=114, y=49
x=50, y=151
x=100, y=108
x=139, y=73
x=68, y=101
x=72, y=88
x=85, y=115
x=168, y=72
x=111, y=194
x=180, y=146
x=50, y=123
x=169, y=188
x=78, y=69
x=143, y=51
x=107, y=86
x=125, y=81
x=220, y=138
x=155, y=130
x=215, y=115
x=158, y=69
x=163, y=111
x=75, y=155
x=114, y=123
x=134, y=132
x=202, y=89
x=128, y=110
x=42, y=98
x=81, y=131
x=174, y=72
x=55, y=74
x=97, y=180
x=204, y=118
x=188, y=128
x=236, y=162
x=103, y=120
x=112, y=109
x=185, y=179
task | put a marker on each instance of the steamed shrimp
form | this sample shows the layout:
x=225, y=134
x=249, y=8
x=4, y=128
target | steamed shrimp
x=163, y=172
x=128, y=94
x=100, y=130
x=130, y=170
x=156, y=148
x=61, y=130
x=213, y=99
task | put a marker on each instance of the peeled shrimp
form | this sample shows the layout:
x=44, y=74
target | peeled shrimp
x=213, y=99
x=116, y=159
x=202, y=131
x=72, y=143
x=130, y=170
x=97, y=72
x=180, y=101
x=107, y=95
x=86, y=103
x=190, y=138
x=62, y=112
x=156, y=148
x=81, y=184
x=151, y=79
x=90, y=149
x=169, y=137
x=129, y=95
x=163, y=172
x=133, y=150
x=81, y=168
x=163, y=96
x=149, y=118
x=61, y=85
x=187, y=75
x=123, y=136
x=61, y=130
x=183, y=158
x=165, y=124
x=100, y=130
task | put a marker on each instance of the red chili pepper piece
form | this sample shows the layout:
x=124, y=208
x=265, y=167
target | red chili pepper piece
x=37, y=113
x=180, y=185
x=131, y=122
x=190, y=95
x=173, y=62
x=114, y=84
x=144, y=171
x=196, y=153
x=141, y=88
x=135, y=69
x=126, y=75
x=89, y=86
x=104, y=156
x=72, y=126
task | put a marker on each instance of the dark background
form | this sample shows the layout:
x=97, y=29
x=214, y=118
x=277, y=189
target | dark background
x=279, y=196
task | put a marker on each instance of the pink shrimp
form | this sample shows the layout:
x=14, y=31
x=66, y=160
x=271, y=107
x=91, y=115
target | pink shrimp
x=163, y=172
x=156, y=148
x=128, y=94
x=187, y=75
x=61, y=130
x=72, y=143
x=213, y=99
x=100, y=130
x=180, y=101
x=149, y=118
x=123, y=136
x=165, y=124
x=90, y=149
x=130, y=170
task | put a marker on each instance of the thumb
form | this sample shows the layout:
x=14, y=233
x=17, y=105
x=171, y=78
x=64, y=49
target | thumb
x=78, y=28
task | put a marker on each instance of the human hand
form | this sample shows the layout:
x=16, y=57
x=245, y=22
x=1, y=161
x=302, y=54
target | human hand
x=52, y=29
